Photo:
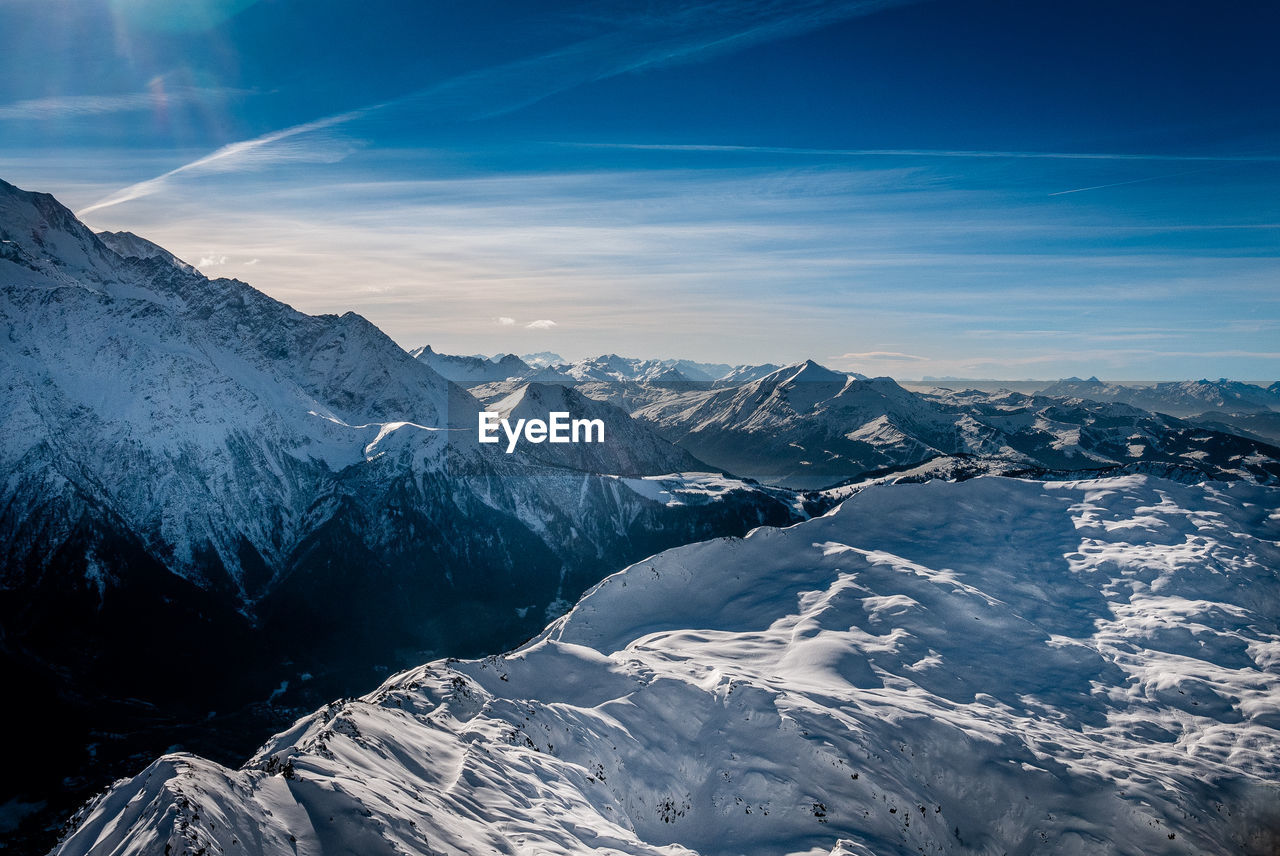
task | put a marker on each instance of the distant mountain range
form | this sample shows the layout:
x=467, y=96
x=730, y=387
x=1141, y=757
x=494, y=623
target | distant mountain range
x=473, y=370
x=1181, y=398
x=808, y=427
x=610, y=368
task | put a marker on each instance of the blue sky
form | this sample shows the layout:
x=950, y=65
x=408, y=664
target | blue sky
x=982, y=189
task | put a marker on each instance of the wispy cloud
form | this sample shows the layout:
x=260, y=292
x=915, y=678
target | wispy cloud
x=994, y=154
x=1091, y=337
x=752, y=265
x=505, y=321
x=70, y=106
x=891, y=356
x=645, y=41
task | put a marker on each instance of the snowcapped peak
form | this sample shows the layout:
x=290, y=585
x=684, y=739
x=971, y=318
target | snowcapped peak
x=671, y=375
x=474, y=369
x=543, y=359
x=810, y=372
x=41, y=234
x=536, y=398
x=129, y=245
x=512, y=364
x=745, y=374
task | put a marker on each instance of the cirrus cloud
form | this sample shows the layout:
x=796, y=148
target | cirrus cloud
x=884, y=355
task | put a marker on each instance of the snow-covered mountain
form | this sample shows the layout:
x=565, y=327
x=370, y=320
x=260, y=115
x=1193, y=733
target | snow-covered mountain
x=543, y=359
x=696, y=371
x=129, y=245
x=218, y=426
x=807, y=426
x=1261, y=425
x=994, y=666
x=249, y=494
x=1177, y=398
x=746, y=374
x=612, y=368
x=467, y=371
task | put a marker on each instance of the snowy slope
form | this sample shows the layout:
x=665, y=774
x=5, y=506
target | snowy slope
x=994, y=666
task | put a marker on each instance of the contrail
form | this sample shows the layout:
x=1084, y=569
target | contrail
x=1138, y=180
x=524, y=82
x=221, y=158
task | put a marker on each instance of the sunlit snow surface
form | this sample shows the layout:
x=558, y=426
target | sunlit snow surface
x=995, y=666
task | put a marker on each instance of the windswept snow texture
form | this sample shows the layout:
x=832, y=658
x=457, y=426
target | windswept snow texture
x=994, y=666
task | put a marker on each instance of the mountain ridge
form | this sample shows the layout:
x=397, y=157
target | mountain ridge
x=808, y=427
